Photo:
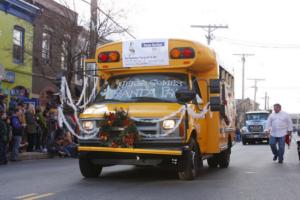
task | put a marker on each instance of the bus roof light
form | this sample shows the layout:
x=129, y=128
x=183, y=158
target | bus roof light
x=102, y=57
x=109, y=56
x=188, y=53
x=175, y=53
x=113, y=56
x=182, y=53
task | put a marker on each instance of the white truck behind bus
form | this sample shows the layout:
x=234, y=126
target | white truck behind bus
x=253, y=129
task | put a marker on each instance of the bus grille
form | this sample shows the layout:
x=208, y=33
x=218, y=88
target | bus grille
x=148, y=127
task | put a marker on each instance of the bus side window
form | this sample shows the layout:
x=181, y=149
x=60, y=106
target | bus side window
x=197, y=90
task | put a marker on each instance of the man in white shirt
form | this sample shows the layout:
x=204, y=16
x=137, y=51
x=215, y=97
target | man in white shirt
x=279, y=124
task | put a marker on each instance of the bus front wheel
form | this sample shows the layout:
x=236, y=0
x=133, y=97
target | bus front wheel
x=190, y=162
x=88, y=169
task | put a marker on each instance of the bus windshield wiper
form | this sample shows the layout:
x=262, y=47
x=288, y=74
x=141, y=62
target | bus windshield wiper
x=109, y=100
x=150, y=99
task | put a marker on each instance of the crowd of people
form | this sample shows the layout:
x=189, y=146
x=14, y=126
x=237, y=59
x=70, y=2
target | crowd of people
x=26, y=128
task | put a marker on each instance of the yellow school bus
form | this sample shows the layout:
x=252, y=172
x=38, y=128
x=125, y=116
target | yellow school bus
x=162, y=102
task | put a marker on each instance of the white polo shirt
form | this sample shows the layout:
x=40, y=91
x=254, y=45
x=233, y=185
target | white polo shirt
x=279, y=124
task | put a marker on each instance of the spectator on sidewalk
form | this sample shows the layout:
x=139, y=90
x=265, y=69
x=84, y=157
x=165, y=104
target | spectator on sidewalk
x=3, y=101
x=69, y=147
x=4, y=138
x=17, y=131
x=43, y=127
x=21, y=115
x=12, y=104
x=31, y=128
x=237, y=135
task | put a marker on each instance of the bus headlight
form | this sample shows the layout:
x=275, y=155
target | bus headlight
x=168, y=124
x=88, y=125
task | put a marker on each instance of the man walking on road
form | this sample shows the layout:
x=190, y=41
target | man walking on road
x=279, y=124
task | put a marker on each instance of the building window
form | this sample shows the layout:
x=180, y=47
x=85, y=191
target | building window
x=18, y=44
x=46, y=47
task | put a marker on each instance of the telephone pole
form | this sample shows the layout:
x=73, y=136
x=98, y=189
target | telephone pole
x=209, y=29
x=255, y=89
x=266, y=101
x=243, y=70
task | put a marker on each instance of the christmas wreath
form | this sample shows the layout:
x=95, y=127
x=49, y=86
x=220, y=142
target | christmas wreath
x=118, y=130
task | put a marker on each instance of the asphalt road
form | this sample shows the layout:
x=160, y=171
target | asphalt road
x=252, y=174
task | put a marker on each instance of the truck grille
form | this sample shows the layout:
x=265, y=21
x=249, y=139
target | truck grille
x=256, y=128
x=148, y=127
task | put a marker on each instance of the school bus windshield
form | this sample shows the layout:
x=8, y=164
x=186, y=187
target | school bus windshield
x=142, y=88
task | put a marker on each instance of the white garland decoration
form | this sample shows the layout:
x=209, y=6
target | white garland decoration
x=65, y=91
x=64, y=120
x=66, y=97
x=82, y=92
x=92, y=95
x=183, y=109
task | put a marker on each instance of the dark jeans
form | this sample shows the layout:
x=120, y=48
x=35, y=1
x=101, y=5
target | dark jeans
x=71, y=150
x=32, y=138
x=3, y=152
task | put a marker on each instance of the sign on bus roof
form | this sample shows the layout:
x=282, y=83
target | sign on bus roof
x=145, y=53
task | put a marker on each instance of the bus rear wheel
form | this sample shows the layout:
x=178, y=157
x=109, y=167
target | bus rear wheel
x=190, y=162
x=224, y=158
x=88, y=169
x=212, y=162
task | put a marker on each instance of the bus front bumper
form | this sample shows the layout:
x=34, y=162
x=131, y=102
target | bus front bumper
x=107, y=156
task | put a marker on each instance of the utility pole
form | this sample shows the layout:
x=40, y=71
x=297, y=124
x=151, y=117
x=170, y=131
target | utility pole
x=93, y=28
x=267, y=100
x=243, y=70
x=255, y=89
x=209, y=29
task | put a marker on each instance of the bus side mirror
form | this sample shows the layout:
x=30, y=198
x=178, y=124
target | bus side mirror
x=215, y=103
x=184, y=95
x=214, y=86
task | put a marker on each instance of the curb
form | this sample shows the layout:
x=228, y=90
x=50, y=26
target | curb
x=32, y=155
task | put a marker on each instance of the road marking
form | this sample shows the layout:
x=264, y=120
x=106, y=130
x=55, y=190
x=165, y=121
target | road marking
x=34, y=196
x=26, y=195
x=250, y=172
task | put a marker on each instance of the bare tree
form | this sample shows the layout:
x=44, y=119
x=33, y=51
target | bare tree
x=70, y=40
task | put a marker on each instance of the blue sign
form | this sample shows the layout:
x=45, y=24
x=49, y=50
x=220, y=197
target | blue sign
x=9, y=76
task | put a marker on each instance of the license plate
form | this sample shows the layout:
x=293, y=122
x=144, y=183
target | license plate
x=256, y=136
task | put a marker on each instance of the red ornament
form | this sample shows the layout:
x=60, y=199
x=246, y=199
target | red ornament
x=114, y=145
x=103, y=136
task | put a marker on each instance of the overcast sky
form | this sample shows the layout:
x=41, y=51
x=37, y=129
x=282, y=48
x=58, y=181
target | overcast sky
x=269, y=29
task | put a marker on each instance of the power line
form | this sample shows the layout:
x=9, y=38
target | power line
x=209, y=29
x=110, y=19
x=260, y=45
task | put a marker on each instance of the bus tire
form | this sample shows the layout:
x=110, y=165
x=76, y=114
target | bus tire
x=189, y=163
x=88, y=169
x=212, y=162
x=224, y=158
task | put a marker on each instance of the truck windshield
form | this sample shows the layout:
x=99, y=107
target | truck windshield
x=257, y=116
x=142, y=88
